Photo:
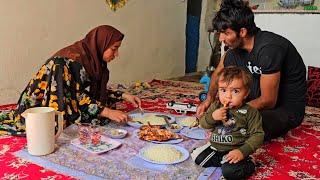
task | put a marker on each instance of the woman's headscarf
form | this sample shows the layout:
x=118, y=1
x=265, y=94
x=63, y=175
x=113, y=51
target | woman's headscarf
x=89, y=52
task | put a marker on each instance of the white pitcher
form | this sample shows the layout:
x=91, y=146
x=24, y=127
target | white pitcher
x=40, y=127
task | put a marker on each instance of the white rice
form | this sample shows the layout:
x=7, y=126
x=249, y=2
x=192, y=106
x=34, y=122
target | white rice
x=162, y=154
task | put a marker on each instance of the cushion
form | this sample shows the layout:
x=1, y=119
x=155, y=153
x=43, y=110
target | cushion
x=313, y=87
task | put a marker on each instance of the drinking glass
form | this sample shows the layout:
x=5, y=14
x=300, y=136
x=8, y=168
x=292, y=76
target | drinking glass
x=84, y=130
x=95, y=135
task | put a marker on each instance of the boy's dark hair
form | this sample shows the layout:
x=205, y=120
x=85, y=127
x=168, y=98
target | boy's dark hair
x=235, y=14
x=228, y=74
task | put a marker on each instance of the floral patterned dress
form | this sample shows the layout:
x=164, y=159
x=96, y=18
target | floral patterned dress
x=62, y=84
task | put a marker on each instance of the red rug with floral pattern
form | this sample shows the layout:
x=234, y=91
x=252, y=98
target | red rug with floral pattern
x=295, y=156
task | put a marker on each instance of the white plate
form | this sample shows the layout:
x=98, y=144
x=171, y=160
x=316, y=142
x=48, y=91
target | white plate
x=106, y=144
x=172, y=141
x=185, y=154
x=194, y=133
x=116, y=133
x=139, y=115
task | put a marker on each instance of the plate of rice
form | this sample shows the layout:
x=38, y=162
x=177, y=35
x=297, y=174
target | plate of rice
x=164, y=154
x=139, y=119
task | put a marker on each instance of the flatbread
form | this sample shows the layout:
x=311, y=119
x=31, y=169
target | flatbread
x=153, y=119
x=188, y=121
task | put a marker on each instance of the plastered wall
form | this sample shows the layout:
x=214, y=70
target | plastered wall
x=154, y=45
x=31, y=31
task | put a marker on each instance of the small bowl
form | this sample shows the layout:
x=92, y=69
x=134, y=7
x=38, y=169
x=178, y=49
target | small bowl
x=116, y=133
x=174, y=128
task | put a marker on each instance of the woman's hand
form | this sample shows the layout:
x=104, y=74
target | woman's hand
x=132, y=99
x=115, y=115
x=234, y=156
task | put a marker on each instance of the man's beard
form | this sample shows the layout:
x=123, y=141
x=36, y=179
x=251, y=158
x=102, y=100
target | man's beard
x=238, y=43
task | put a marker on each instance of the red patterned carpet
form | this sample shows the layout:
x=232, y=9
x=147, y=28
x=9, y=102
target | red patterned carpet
x=295, y=156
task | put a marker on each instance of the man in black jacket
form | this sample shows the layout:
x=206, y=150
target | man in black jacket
x=278, y=71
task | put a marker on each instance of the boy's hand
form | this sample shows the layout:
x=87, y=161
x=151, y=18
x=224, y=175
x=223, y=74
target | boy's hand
x=220, y=114
x=234, y=156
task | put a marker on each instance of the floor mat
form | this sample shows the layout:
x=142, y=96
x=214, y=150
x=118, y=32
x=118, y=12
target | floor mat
x=294, y=156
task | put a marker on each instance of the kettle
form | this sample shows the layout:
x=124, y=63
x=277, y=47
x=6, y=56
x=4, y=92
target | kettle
x=40, y=129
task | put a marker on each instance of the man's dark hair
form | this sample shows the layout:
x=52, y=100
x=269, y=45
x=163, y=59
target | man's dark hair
x=235, y=14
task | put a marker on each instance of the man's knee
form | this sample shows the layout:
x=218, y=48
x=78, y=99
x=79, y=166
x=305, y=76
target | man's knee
x=275, y=123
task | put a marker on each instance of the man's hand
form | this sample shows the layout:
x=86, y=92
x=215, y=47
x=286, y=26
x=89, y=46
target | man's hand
x=115, y=115
x=220, y=114
x=132, y=99
x=234, y=156
x=203, y=107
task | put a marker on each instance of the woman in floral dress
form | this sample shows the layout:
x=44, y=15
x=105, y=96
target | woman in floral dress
x=74, y=82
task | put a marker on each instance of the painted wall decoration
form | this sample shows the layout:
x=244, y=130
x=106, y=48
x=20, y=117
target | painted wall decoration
x=281, y=6
x=116, y=4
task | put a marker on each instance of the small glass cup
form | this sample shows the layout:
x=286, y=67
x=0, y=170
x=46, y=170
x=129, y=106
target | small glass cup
x=95, y=135
x=84, y=132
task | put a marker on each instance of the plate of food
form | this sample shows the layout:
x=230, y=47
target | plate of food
x=164, y=154
x=139, y=119
x=105, y=145
x=187, y=121
x=156, y=134
x=194, y=133
x=116, y=133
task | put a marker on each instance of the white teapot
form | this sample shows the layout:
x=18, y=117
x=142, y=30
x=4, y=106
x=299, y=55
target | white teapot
x=40, y=129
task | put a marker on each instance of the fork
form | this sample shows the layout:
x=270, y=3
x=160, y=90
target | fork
x=141, y=111
x=166, y=118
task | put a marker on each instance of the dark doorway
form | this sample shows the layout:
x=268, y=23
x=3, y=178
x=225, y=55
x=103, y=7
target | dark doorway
x=192, y=35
